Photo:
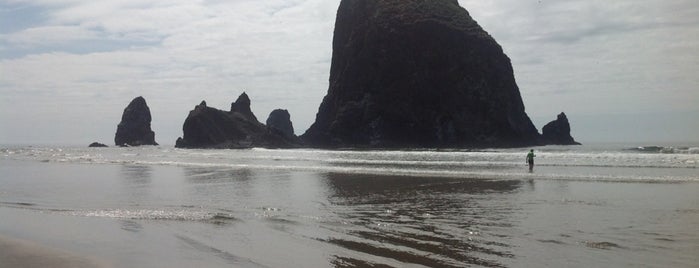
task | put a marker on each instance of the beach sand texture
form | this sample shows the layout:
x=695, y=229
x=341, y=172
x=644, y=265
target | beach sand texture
x=16, y=253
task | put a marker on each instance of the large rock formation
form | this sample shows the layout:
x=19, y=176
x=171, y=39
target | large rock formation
x=418, y=73
x=557, y=132
x=134, y=128
x=207, y=127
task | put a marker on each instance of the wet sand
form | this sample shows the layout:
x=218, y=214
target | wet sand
x=162, y=216
x=26, y=254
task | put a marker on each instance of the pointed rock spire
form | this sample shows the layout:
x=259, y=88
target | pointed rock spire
x=134, y=128
x=242, y=106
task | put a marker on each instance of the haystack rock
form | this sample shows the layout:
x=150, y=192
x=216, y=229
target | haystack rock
x=207, y=127
x=418, y=73
x=134, y=128
x=557, y=132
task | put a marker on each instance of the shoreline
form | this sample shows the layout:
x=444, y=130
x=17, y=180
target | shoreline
x=28, y=254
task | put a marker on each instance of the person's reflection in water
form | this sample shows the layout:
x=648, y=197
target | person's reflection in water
x=232, y=183
x=137, y=174
x=137, y=181
x=434, y=222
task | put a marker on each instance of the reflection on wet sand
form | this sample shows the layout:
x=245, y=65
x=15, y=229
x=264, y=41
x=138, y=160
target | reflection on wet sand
x=137, y=174
x=426, y=221
x=217, y=175
x=210, y=182
x=137, y=181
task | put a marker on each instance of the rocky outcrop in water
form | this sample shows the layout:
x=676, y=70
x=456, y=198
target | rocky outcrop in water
x=280, y=120
x=97, y=145
x=134, y=128
x=418, y=73
x=557, y=132
x=207, y=127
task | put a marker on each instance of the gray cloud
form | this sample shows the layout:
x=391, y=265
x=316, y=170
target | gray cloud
x=598, y=57
x=80, y=62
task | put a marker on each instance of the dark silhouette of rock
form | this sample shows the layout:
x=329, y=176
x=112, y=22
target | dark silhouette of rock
x=97, y=145
x=134, y=128
x=418, y=73
x=242, y=106
x=558, y=132
x=280, y=120
x=207, y=127
x=279, y=123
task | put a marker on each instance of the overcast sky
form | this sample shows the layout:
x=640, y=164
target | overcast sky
x=623, y=70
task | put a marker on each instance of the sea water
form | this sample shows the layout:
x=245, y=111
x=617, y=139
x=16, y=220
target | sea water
x=585, y=163
x=582, y=206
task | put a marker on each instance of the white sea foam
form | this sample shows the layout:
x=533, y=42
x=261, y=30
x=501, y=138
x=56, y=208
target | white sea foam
x=606, y=164
x=167, y=214
x=156, y=214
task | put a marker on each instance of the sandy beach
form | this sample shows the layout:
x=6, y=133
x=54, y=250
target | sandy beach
x=26, y=254
x=308, y=213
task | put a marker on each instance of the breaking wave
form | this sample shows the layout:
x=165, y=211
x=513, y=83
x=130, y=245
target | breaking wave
x=651, y=163
x=665, y=150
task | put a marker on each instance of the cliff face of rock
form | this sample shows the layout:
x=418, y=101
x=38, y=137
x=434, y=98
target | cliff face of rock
x=418, y=73
x=207, y=127
x=557, y=132
x=134, y=128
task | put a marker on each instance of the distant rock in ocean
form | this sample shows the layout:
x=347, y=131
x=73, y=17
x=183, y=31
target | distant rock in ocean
x=207, y=127
x=134, y=128
x=97, y=145
x=417, y=73
x=280, y=120
x=557, y=132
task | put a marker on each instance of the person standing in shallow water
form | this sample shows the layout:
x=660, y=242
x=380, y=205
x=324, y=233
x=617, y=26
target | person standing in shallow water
x=530, y=160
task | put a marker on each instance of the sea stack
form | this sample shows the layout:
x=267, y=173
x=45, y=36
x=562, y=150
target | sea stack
x=207, y=127
x=557, y=132
x=134, y=128
x=418, y=74
x=280, y=120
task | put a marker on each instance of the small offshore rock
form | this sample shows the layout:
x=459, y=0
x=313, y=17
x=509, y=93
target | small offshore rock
x=97, y=145
x=280, y=120
x=557, y=132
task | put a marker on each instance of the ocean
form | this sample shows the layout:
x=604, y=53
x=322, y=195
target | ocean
x=607, y=205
